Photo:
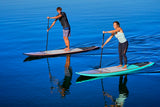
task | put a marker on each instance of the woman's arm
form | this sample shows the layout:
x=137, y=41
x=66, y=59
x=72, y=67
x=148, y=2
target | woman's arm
x=108, y=40
x=112, y=31
x=56, y=17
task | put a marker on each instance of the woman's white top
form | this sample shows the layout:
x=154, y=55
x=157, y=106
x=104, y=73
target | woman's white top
x=121, y=37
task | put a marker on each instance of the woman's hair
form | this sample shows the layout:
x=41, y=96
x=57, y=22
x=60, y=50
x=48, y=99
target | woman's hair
x=59, y=8
x=117, y=23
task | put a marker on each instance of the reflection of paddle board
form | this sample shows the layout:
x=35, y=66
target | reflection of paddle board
x=109, y=71
x=81, y=78
x=60, y=52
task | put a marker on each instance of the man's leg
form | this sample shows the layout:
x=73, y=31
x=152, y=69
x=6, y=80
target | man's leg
x=68, y=43
x=66, y=40
x=66, y=34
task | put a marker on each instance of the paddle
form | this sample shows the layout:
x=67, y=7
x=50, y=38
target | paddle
x=47, y=36
x=100, y=67
x=50, y=75
x=48, y=30
x=101, y=52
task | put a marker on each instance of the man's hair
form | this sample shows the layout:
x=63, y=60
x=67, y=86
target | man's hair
x=117, y=22
x=59, y=8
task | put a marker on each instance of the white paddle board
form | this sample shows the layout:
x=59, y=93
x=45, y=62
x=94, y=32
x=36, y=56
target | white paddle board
x=60, y=52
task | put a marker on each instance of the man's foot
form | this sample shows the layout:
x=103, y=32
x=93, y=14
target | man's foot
x=66, y=49
x=119, y=66
x=125, y=66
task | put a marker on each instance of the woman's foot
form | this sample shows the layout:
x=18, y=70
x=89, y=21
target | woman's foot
x=119, y=66
x=125, y=66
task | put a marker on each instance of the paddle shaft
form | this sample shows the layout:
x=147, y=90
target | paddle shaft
x=101, y=52
x=100, y=67
x=47, y=36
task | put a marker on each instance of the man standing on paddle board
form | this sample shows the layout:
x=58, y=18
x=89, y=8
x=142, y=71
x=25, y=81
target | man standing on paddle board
x=65, y=24
x=123, y=43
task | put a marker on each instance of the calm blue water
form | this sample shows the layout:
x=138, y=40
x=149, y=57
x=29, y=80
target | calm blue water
x=45, y=82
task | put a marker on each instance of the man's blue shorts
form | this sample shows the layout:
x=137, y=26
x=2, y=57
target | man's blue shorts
x=66, y=32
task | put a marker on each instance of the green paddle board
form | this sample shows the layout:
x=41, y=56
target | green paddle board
x=111, y=71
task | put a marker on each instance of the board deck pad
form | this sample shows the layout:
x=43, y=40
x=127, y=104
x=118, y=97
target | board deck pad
x=60, y=51
x=109, y=71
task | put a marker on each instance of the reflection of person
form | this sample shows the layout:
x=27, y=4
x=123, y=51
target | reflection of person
x=123, y=43
x=65, y=24
x=123, y=94
x=64, y=87
x=123, y=91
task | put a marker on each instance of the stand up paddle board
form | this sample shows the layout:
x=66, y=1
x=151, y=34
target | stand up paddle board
x=60, y=52
x=111, y=71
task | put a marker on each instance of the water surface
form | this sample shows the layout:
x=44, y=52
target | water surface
x=52, y=81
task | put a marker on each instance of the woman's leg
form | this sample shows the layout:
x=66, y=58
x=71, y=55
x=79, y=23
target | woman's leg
x=120, y=54
x=124, y=52
x=125, y=47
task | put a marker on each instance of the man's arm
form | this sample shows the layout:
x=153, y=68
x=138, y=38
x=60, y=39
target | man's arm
x=56, y=17
x=52, y=25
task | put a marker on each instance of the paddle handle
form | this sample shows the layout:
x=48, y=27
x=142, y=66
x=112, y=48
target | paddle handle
x=103, y=39
x=47, y=36
x=48, y=24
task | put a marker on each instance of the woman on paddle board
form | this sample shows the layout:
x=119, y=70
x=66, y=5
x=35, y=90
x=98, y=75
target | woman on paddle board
x=65, y=24
x=123, y=43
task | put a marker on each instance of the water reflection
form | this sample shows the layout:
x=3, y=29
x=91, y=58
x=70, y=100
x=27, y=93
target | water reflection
x=109, y=100
x=53, y=79
x=64, y=85
x=60, y=86
x=123, y=91
x=36, y=58
x=123, y=94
